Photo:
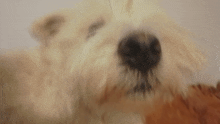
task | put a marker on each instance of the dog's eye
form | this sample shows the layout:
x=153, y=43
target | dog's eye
x=94, y=27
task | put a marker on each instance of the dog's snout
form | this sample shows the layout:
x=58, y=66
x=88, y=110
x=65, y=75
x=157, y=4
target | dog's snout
x=140, y=51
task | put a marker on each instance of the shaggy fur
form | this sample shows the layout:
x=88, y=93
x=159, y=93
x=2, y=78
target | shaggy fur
x=77, y=76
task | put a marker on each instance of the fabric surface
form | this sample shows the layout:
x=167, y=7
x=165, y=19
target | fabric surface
x=202, y=106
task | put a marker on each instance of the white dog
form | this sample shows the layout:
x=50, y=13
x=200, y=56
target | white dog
x=102, y=62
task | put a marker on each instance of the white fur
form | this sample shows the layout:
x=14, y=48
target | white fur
x=61, y=80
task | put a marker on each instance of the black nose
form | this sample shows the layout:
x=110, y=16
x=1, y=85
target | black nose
x=140, y=51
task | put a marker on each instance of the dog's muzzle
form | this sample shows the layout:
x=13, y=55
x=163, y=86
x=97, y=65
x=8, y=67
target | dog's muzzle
x=140, y=51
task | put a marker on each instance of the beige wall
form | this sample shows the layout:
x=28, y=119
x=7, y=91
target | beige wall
x=200, y=16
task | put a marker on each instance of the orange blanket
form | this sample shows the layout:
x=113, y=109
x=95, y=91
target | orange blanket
x=201, y=107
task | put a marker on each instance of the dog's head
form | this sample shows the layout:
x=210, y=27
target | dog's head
x=129, y=42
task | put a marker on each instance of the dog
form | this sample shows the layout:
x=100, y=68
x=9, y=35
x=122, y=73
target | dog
x=105, y=61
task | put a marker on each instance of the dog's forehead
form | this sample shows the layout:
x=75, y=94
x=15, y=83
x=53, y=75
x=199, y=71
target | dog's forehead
x=130, y=11
x=133, y=9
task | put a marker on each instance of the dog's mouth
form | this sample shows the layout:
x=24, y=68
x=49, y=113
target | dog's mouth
x=145, y=83
x=142, y=86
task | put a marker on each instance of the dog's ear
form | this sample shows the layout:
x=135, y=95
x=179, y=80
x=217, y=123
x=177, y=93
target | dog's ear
x=47, y=27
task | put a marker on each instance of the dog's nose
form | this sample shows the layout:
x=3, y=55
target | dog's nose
x=140, y=51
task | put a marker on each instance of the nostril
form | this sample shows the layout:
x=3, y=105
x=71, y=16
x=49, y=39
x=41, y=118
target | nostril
x=129, y=46
x=154, y=45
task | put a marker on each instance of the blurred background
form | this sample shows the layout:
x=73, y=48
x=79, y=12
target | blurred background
x=199, y=16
